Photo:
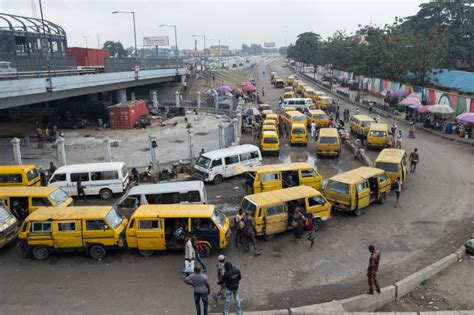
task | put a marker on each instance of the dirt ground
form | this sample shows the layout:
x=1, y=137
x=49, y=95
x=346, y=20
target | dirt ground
x=451, y=289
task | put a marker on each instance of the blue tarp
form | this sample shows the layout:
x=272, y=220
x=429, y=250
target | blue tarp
x=462, y=81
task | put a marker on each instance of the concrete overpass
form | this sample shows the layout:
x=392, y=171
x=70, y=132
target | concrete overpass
x=20, y=92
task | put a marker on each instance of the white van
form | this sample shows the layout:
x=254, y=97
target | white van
x=103, y=179
x=167, y=193
x=298, y=103
x=216, y=165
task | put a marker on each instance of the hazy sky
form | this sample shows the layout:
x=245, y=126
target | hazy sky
x=233, y=22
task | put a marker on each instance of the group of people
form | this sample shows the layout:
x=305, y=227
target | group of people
x=50, y=133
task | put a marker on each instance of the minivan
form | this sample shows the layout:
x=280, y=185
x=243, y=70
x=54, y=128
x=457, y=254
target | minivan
x=298, y=134
x=298, y=103
x=192, y=192
x=270, y=142
x=19, y=175
x=377, y=136
x=318, y=117
x=103, y=179
x=394, y=163
x=356, y=189
x=216, y=165
x=328, y=143
x=90, y=229
x=360, y=122
x=8, y=226
x=25, y=200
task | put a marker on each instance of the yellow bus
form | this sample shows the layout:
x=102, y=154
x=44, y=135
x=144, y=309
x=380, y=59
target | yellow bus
x=393, y=162
x=328, y=143
x=19, y=175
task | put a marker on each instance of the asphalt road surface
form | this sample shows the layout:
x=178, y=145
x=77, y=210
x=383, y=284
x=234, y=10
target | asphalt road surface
x=434, y=217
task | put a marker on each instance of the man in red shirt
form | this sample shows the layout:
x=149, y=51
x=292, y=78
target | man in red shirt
x=372, y=269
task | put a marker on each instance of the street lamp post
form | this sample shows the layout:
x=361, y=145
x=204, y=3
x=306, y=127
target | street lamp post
x=134, y=31
x=219, y=41
x=49, y=88
x=175, y=41
x=203, y=36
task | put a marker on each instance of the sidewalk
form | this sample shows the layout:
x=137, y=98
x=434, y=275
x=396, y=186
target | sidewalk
x=378, y=99
x=130, y=146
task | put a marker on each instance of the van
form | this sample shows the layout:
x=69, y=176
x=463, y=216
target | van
x=272, y=116
x=19, y=175
x=270, y=143
x=23, y=201
x=269, y=128
x=393, y=162
x=298, y=103
x=266, y=112
x=324, y=102
x=291, y=78
x=295, y=83
x=273, y=211
x=309, y=92
x=278, y=176
x=360, y=122
x=290, y=94
x=8, y=226
x=356, y=189
x=192, y=192
x=377, y=136
x=315, y=95
x=298, y=134
x=288, y=89
x=279, y=83
x=89, y=229
x=294, y=117
x=275, y=78
x=157, y=227
x=216, y=165
x=271, y=122
x=328, y=143
x=300, y=87
x=318, y=117
x=273, y=74
x=103, y=179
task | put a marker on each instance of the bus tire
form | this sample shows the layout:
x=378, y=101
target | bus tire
x=205, y=251
x=382, y=198
x=105, y=194
x=40, y=252
x=146, y=253
x=97, y=252
x=217, y=179
x=358, y=212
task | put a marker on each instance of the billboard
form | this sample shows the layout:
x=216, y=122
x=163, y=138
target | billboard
x=269, y=45
x=156, y=41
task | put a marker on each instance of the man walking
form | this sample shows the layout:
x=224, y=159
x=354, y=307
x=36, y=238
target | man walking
x=414, y=159
x=231, y=278
x=263, y=91
x=199, y=282
x=313, y=129
x=399, y=140
x=80, y=190
x=398, y=190
x=372, y=269
x=248, y=233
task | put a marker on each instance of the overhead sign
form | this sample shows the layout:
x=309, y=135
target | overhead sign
x=156, y=41
x=269, y=45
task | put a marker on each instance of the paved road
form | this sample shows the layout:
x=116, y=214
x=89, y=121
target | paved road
x=435, y=216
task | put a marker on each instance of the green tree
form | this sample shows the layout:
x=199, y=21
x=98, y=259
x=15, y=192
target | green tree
x=116, y=49
x=307, y=48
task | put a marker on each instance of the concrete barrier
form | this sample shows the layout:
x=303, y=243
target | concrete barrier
x=412, y=281
x=268, y=312
x=366, y=302
x=447, y=313
x=330, y=308
x=460, y=252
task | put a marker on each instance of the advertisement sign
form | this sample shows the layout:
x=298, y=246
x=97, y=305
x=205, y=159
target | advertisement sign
x=156, y=41
x=269, y=45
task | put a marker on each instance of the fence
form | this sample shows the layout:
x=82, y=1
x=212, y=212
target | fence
x=128, y=64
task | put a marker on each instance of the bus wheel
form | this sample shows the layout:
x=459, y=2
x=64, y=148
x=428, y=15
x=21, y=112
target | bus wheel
x=382, y=198
x=269, y=237
x=97, y=252
x=217, y=179
x=146, y=253
x=105, y=194
x=40, y=252
x=205, y=251
x=358, y=212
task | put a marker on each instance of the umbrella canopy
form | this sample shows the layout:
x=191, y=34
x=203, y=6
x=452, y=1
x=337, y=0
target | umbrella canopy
x=236, y=90
x=466, y=117
x=386, y=91
x=250, y=111
x=415, y=95
x=441, y=109
x=245, y=83
x=410, y=101
x=399, y=93
x=223, y=89
x=249, y=88
x=415, y=106
x=424, y=109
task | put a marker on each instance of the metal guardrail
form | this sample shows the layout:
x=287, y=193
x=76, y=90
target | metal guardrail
x=44, y=74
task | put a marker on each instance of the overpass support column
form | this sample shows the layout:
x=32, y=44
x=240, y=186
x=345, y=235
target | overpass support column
x=16, y=151
x=61, y=151
x=176, y=95
x=107, y=150
x=121, y=95
x=198, y=100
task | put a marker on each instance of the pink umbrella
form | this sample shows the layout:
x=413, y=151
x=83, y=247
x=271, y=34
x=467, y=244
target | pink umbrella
x=425, y=109
x=243, y=84
x=466, y=117
x=410, y=101
x=249, y=88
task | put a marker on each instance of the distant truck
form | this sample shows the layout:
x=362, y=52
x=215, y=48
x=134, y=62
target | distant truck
x=88, y=57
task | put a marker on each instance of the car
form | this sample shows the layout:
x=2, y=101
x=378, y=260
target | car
x=70, y=123
x=241, y=64
x=247, y=61
x=234, y=65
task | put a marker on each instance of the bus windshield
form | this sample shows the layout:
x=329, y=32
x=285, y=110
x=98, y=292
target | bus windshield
x=203, y=162
x=248, y=206
x=338, y=187
x=58, y=196
x=114, y=218
x=388, y=167
x=218, y=218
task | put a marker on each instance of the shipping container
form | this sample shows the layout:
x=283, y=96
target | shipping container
x=126, y=115
x=88, y=57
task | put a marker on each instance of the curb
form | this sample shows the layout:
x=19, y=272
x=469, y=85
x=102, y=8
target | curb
x=386, y=114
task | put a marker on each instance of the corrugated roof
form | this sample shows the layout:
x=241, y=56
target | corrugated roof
x=462, y=81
